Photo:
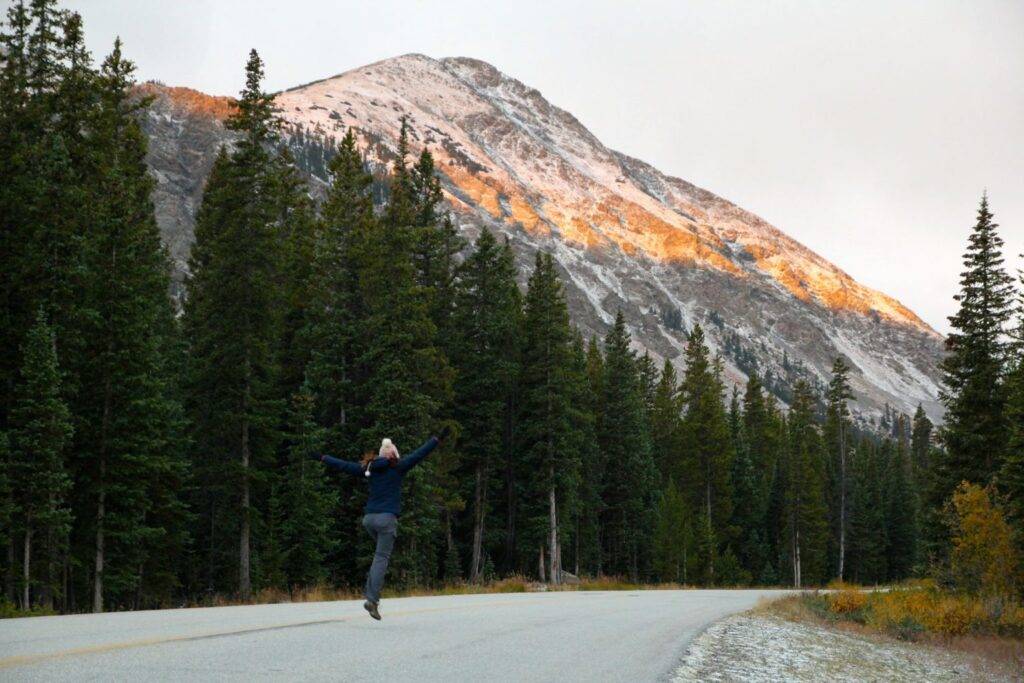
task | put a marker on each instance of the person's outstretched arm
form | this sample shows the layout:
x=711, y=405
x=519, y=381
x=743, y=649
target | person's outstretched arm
x=353, y=468
x=408, y=462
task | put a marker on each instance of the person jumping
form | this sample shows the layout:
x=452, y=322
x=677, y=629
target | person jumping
x=380, y=517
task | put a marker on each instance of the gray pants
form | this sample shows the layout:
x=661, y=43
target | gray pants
x=383, y=527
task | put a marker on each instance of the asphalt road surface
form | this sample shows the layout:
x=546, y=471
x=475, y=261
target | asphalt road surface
x=561, y=636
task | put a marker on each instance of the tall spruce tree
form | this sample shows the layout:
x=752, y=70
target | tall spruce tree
x=837, y=441
x=707, y=460
x=671, y=537
x=346, y=214
x=594, y=465
x=901, y=511
x=487, y=322
x=973, y=390
x=232, y=322
x=125, y=424
x=921, y=441
x=1010, y=478
x=868, y=534
x=549, y=461
x=803, y=474
x=631, y=478
x=666, y=421
x=41, y=430
x=307, y=534
x=586, y=487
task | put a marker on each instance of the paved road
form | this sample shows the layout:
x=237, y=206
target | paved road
x=568, y=636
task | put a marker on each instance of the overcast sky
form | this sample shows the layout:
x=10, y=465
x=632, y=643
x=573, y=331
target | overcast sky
x=866, y=130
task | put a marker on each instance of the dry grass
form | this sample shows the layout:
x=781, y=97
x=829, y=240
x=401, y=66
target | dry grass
x=8, y=610
x=992, y=630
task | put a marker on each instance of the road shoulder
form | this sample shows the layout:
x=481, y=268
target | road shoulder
x=759, y=646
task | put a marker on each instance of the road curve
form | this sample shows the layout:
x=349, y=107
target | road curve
x=564, y=636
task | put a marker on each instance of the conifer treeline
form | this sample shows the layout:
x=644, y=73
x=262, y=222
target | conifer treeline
x=152, y=459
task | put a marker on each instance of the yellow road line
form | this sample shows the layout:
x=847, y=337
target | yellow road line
x=22, y=660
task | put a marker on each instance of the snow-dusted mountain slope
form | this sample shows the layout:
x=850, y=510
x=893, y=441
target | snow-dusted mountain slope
x=667, y=253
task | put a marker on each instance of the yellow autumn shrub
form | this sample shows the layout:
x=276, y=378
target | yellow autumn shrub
x=846, y=599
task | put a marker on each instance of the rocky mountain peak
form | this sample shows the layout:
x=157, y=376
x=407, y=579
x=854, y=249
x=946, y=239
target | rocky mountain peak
x=626, y=236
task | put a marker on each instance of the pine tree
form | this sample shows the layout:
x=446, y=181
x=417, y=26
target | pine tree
x=803, y=474
x=488, y=308
x=921, y=441
x=8, y=509
x=763, y=440
x=41, y=431
x=901, y=514
x=868, y=536
x=630, y=482
x=666, y=421
x=593, y=463
x=435, y=239
x=347, y=212
x=121, y=452
x=232, y=322
x=299, y=230
x=545, y=421
x=307, y=534
x=582, y=506
x=708, y=455
x=748, y=518
x=671, y=536
x=973, y=390
x=837, y=441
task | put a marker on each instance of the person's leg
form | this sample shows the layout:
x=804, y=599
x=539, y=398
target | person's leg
x=385, y=528
x=371, y=529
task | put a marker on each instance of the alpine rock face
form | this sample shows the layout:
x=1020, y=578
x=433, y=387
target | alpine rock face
x=627, y=237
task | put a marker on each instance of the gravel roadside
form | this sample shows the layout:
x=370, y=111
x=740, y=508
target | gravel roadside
x=758, y=647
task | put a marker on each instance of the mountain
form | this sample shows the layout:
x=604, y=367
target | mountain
x=626, y=236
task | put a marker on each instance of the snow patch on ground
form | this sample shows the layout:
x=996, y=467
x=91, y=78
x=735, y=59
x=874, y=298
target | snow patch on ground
x=756, y=648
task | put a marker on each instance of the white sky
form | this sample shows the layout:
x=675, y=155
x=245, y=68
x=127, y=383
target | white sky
x=866, y=130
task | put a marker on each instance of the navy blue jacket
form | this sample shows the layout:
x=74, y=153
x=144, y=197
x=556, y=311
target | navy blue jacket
x=385, y=480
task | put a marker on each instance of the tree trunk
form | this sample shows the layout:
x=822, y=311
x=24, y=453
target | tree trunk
x=47, y=589
x=553, y=533
x=65, y=582
x=796, y=558
x=9, y=589
x=576, y=548
x=101, y=503
x=510, y=516
x=101, y=512
x=684, y=563
x=510, y=526
x=26, y=566
x=842, y=499
x=540, y=564
x=244, y=580
x=711, y=549
x=475, y=566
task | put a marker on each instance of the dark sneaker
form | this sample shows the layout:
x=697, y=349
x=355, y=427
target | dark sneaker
x=371, y=607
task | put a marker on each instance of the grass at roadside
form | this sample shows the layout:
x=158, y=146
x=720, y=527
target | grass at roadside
x=916, y=612
x=9, y=610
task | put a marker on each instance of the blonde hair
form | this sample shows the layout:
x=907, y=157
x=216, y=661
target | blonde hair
x=368, y=457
